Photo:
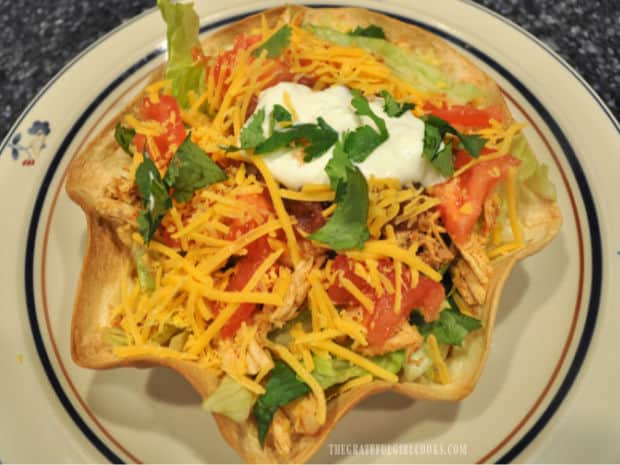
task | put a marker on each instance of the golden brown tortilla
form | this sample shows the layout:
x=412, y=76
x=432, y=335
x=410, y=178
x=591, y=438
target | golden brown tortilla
x=103, y=160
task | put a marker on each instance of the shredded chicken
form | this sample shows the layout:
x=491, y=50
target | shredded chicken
x=280, y=433
x=256, y=358
x=407, y=337
x=303, y=415
x=295, y=296
x=426, y=235
x=243, y=354
x=471, y=271
x=474, y=254
x=490, y=212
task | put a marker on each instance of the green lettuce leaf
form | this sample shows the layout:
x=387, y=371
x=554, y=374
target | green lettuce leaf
x=230, y=399
x=408, y=66
x=182, y=34
x=531, y=172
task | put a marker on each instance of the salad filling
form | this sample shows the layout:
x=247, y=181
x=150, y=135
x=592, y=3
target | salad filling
x=309, y=211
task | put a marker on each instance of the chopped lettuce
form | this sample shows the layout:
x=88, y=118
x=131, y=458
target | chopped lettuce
x=539, y=182
x=185, y=73
x=405, y=64
x=418, y=363
x=146, y=278
x=276, y=44
x=451, y=327
x=114, y=336
x=177, y=342
x=331, y=371
x=230, y=399
x=164, y=334
x=531, y=172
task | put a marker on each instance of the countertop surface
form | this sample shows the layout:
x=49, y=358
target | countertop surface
x=38, y=38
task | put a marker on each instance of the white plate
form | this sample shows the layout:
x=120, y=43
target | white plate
x=547, y=393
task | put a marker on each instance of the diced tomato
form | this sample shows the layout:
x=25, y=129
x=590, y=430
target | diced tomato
x=466, y=116
x=226, y=60
x=462, y=197
x=167, y=112
x=244, y=269
x=258, y=251
x=167, y=239
x=384, y=322
x=463, y=157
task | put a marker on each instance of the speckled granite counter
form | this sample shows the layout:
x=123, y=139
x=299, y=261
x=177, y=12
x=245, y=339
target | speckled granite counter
x=38, y=38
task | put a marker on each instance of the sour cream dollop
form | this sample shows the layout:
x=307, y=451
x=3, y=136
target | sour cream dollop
x=399, y=157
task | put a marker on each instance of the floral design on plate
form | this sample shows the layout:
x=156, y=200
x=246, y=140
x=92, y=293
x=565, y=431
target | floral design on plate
x=29, y=149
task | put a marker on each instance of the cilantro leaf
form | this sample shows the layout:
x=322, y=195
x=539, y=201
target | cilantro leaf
x=282, y=387
x=316, y=139
x=360, y=143
x=336, y=170
x=191, y=169
x=347, y=227
x=276, y=44
x=252, y=135
x=124, y=136
x=279, y=114
x=451, y=327
x=392, y=108
x=472, y=143
x=443, y=161
x=370, y=31
x=154, y=196
x=432, y=141
x=435, y=129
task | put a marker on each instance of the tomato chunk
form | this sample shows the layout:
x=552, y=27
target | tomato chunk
x=463, y=197
x=258, y=251
x=383, y=322
x=166, y=111
x=466, y=116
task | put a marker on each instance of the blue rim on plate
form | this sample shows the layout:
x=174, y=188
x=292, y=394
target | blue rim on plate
x=586, y=195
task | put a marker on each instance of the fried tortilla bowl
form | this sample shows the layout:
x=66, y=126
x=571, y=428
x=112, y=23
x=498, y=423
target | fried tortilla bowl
x=103, y=160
